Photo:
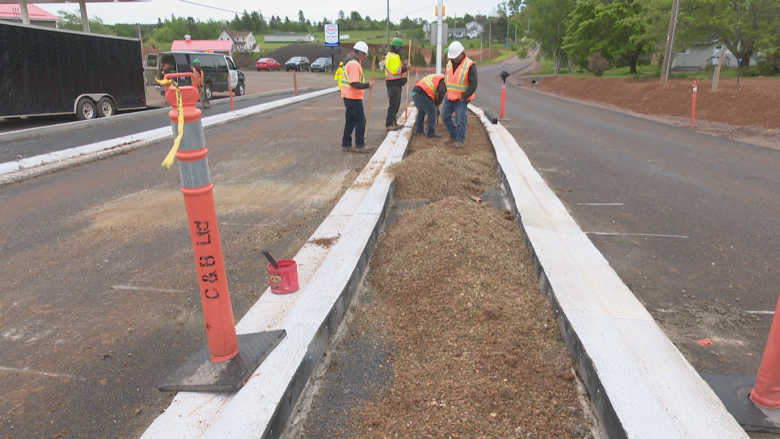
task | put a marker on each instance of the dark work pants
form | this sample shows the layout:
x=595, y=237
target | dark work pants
x=356, y=120
x=394, y=95
x=425, y=107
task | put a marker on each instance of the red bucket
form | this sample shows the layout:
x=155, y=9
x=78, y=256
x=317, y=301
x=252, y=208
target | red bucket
x=284, y=280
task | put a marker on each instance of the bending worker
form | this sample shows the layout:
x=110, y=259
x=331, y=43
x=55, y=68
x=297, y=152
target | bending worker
x=395, y=79
x=427, y=95
x=461, y=80
x=352, y=90
x=339, y=72
x=204, y=100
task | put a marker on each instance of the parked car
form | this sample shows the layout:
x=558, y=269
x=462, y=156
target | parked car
x=322, y=65
x=218, y=70
x=267, y=64
x=298, y=63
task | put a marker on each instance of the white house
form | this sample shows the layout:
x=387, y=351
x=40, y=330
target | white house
x=242, y=41
x=288, y=37
x=474, y=29
x=701, y=56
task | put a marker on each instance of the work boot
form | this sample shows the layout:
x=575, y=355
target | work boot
x=363, y=149
x=393, y=127
x=458, y=144
x=435, y=136
x=449, y=141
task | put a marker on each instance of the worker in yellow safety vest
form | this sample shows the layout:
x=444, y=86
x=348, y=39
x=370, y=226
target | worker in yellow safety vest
x=353, y=91
x=428, y=94
x=339, y=72
x=460, y=78
x=395, y=79
x=204, y=99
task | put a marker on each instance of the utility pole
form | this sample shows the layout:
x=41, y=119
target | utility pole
x=439, y=15
x=490, y=37
x=667, y=66
x=388, y=25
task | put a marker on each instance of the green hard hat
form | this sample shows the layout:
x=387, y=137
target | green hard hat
x=397, y=42
x=196, y=61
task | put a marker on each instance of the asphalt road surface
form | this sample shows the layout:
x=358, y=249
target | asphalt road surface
x=99, y=300
x=687, y=220
x=29, y=148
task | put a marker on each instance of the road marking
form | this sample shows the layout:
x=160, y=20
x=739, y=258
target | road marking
x=665, y=310
x=599, y=204
x=28, y=370
x=760, y=312
x=653, y=235
x=157, y=290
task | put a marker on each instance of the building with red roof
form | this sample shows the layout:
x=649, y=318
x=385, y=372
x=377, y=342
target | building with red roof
x=38, y=17
x=215, y=46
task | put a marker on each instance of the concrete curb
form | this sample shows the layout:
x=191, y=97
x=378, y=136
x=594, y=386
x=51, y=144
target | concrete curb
x=34, y=133
x=14, y=172
x=640, y=385
x=328, y=279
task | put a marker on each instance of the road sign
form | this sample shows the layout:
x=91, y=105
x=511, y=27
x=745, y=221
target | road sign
x=331, y=35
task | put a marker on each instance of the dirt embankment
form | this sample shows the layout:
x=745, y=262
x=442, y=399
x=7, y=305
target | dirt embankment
x=756, y=102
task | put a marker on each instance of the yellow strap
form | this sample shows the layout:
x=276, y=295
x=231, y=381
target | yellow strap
x=168, y=162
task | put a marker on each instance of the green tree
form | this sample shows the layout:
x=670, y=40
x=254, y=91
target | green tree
x=72, y=21
x=745, y=26
x=549, y=20
x=612, y=27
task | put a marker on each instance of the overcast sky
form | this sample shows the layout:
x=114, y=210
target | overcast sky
x=314, y=10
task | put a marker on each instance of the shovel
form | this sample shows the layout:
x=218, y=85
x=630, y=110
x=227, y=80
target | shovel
x=270, y=258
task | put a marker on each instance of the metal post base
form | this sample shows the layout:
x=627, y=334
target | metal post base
x=199, y=374
x=733, y=391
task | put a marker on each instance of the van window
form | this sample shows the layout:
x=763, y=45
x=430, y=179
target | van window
x=206, y=62
x=231, y=66
x=221, y=64
x=151, y=61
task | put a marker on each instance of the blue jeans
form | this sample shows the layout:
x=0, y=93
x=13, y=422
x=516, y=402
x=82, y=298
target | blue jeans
x=461, y=117
x=356, y=121
x=425, y=107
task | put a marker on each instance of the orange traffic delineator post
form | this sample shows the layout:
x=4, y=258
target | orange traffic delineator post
x=693, y=104
x=203, y=371
x=754, y=401
x=230, y=90
x=766, y=392
x=295, y=83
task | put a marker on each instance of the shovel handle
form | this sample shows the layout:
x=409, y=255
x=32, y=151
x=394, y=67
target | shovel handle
x=270, y=258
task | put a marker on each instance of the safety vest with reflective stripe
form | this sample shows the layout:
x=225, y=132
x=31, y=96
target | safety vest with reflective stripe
x=347, y=91
x=458, y=81
x=430, y=83
x=199, y=75
x=393, y=69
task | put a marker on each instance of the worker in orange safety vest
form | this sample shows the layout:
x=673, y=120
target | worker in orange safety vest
x=461, y=80
x=352, y=91
x=204, y=99
x=428, y=94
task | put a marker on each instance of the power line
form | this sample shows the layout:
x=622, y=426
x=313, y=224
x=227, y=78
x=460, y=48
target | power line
x=212, y=7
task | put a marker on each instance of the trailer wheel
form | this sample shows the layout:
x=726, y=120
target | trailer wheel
x=85, y=109
x=240, y=89
x=106, y=107
x=207, y=89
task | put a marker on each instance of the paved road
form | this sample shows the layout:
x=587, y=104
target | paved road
x=687, y=220
x=28, y=148
x=98, y=302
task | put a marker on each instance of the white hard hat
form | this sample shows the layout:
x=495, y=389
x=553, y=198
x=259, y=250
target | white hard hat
x=361, y=46
x=454, y=50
